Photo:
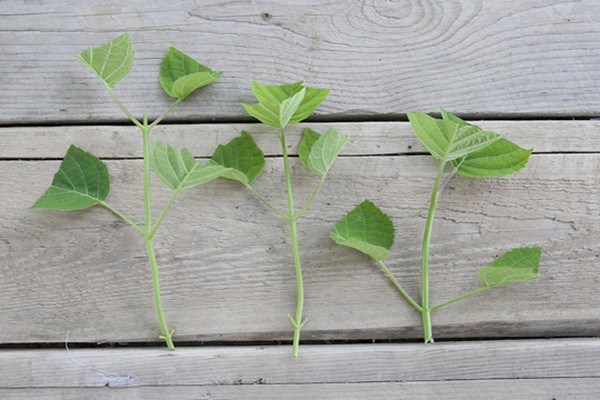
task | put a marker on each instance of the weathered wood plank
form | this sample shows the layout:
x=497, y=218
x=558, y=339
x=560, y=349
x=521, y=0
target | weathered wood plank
x=366, y=138
x=515, y=389
x=226, y=269
x=475, y=57
x=273, y=365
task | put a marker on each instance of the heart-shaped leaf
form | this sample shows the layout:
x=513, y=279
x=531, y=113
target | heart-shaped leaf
x=243, y=158
x=179, y=170
x=502, y=157
x=111, y=61
x=81, y=181
x=180, y=75
x=318, y=152
x=513, y=266
x=366, y=229
x=275, y=103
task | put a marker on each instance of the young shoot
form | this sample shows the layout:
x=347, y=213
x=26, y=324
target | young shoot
x=472, y=152
x=278, y=107
x=83, y=181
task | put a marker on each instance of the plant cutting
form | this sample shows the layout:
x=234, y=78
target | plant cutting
x=82, y=179
x=471, y=152
x=279, y=107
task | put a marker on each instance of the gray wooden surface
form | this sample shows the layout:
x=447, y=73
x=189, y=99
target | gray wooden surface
x=534, y=369
x=527, y=67
x=489, y=58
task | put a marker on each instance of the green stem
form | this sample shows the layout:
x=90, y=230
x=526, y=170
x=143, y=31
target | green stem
x=166, y=334
x=123, y=217
x=297, y=322
x=266, y=203
x=313, y=197
x=125, y=111
x=399, y=287
x=426, y=312
x=164, y=115
x=464, y=296
x=163, y=213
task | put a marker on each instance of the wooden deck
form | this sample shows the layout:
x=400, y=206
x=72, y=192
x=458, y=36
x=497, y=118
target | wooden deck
x=528, y=69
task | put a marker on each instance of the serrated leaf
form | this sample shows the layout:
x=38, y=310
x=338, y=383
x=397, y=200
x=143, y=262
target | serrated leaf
x=318, y=152
x=243, y=158
x=269, y=108
x=516, y=265
x=180, y=75
x=82, y=181
x=179, y=170
x=111, y=61
x=447, y=140
x=367, y=229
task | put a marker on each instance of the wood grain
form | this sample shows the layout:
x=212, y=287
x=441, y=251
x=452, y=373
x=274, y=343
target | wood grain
x=515, y=389
x=366, y=138
x=226, y=268
x=325, y=364
x=510, y=58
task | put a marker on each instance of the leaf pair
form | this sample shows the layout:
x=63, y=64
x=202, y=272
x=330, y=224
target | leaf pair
x=279, y=106
x=472, y=151
x=371, y=231
x=180, y=75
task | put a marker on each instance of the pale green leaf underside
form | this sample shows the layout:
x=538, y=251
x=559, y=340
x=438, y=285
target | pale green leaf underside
x=275, y=103
x=367, y=229
x=502, y=157
x=179, y=170
x=111, y=61
x=318, y=152
x=243, y=158
x=513, y=266
x=180, y=75
x=82, y=181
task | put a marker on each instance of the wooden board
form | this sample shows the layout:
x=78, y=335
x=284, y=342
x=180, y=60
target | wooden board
x=225, y=263
x=534, y=369
x=509, y=58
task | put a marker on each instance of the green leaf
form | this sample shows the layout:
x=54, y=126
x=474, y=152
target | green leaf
x=111, y=61
x=447, y=140
x=179, y=170
x=180, y=75
x=275, y=103
x=81, y=181
x=318, y=152
x=513, y=266
x=243, y=158
x=502, y=157
x=366, y=229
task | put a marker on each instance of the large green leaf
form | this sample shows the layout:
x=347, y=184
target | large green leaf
x=502, y=157
x=81, y=181
x=111, y=61
x=243, y=158
x=513, y=266
x=276, y=103
x=180, y=75
x=447, y=140
x=179, y=170
x=366, y=229
x=318, y=152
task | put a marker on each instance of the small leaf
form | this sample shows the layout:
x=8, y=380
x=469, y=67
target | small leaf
x=502, y=157
x=111, y=61
x=179, y=170
x=276, y=102
x=318, y=152
x=243, y=158
x=180, y=75
x=513, y=266
x=81, y=181
x=366, y=229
